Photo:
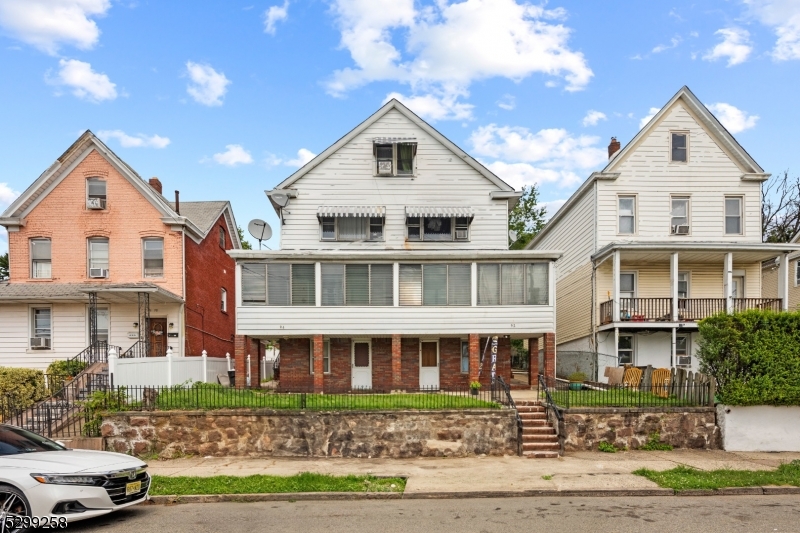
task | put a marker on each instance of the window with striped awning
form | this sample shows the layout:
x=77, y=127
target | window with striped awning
x=438, y=223
x=351, y=223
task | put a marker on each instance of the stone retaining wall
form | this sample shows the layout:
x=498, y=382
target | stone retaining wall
x=683, y=427
x=260, y=433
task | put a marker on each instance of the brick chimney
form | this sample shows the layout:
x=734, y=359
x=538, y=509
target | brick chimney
x=613, y=147
x=155, y=183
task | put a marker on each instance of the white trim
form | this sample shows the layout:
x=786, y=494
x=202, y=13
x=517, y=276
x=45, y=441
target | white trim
x=688, y=198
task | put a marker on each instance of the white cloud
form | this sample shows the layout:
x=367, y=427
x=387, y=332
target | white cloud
x=735, y=46
x=275, y=14
x=84, y=82
x=449, y=45
x=303, y=157
x=47, y=24
x=432, y=107
x=507, y=102
x=650, y=115
x=552, y=207
x=234, y=155
x=673, y=43
x=208, y=86
x=593, y=117
x=139, y=140
x=784, y=17
x=547, y=156
x=733, y=118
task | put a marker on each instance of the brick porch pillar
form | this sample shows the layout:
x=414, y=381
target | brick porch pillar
x=397, y=362
x=533, y=362
x=319, y=370
x=474, y=356
x=550, y=359
x=240, y=346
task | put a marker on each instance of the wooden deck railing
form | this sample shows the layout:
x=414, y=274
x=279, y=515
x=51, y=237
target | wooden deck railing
x=689, y=309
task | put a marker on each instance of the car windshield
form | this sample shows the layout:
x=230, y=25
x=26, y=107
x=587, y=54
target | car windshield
x=14, y=441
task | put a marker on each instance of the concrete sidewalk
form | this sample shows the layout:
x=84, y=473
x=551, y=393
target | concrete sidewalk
x=581, y=471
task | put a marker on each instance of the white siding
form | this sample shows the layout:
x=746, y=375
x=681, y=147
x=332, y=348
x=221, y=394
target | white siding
x=574, y=235
x=707, y=178
x=346, y=178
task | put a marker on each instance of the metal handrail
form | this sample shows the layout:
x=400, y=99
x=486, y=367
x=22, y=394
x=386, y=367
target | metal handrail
x=512, y=405
x=549, y=405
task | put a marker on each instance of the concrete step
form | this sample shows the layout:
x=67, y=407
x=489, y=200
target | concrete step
x=528, y=403
x=540, y=446
x=539, y=438
x=541, y=455
x=530, y=409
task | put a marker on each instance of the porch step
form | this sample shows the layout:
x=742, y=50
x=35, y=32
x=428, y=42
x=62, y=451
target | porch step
x=530, y=409
x=540, y=455
x=539, y=438
x=540, y=415
x=540, y=447
x=538, y=430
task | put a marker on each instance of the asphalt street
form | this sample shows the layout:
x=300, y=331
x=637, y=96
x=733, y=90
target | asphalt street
x=706, y=514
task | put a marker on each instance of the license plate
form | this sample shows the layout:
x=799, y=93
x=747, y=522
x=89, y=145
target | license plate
x=133, y=488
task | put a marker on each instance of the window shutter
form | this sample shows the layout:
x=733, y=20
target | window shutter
x=434, y=285
x=410, y=284
x=538, y=284
x=278, y=283
x=381, y=285
x=332, y=284
x=254, y=284
x=513, y=284
x=356, y=285
x=488, y=284
x=303, y=286
x=459, y=284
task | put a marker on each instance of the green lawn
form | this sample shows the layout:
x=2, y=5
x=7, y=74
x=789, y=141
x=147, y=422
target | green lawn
x=685, y=478
x=616, y=398
x=260, y=484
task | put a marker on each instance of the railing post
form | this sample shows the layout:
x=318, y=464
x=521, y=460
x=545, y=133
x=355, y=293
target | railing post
x=112, y=364
x=169, y=366
x=248, y=370
x=228, y=360
x=204, y=355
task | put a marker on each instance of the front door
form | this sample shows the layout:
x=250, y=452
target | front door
x=157, y=331
x=362, y=365
x=429, y=365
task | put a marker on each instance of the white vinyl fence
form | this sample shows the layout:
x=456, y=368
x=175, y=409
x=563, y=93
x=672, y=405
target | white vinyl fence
x=166, y=371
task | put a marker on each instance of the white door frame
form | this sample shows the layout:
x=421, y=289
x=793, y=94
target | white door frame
x=364, y=373
x=428, y=381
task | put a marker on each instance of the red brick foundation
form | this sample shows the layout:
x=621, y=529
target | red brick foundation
x=244, y=346
x=533, y=362
x=550, y=359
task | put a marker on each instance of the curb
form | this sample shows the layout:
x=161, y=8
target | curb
x=333, y=496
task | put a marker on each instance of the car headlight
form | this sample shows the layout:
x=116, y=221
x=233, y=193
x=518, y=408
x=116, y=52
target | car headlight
x=58, y=479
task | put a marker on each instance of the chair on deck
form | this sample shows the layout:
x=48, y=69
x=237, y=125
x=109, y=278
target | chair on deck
x=661, y=381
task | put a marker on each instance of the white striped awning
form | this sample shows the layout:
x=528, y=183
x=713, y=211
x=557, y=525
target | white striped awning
x=393, y=140
x=439, y=211
x=351, y=211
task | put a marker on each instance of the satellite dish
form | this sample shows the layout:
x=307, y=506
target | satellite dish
x=280, y=198
x=511, y=235
x=260, y=230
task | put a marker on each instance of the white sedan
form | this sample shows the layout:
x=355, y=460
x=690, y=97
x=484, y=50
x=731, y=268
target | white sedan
x=42, y=480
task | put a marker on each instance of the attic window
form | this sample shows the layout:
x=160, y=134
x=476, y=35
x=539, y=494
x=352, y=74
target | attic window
x=95, y=193
x=394, y=156
x=222, y=237
x=680, y=147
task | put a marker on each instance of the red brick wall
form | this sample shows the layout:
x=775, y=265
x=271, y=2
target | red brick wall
x=208, y=270
x=450, y=375
x=339, y=378
x=296, y=365
x=410, y=363
x=382, y=364
x=244, y=346
x=503, y=360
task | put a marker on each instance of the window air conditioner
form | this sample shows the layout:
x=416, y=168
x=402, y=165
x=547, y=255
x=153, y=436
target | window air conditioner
x=683, y=229
x=98, y=272
x=40, y=342
x=95, y=203
x=684, y=360
x=384, y=168
x=462, y=234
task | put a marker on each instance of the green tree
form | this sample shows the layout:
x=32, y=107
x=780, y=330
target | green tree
x=4, y=266
x=527, y=218
x=245, y=245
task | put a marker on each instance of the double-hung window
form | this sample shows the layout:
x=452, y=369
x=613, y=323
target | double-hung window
x=153, y=257
x=625, y=354
x=98, y=257
x=351, y=228
x=436, y=284
x=627, y=215
x=733, y=215
x=682, y=351
x=683, y=284
x=221, y=231
x=394, y=159
x=438, y=228
x=679, y=219
x=513, y=284
x=41, y=264
x=679, y=149
x=357, y=284
x=326, y=358
x=279, y=284
x=96, y=193
x=41, y=328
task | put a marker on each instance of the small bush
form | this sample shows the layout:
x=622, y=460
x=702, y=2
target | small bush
x=654, y=444
x=59, y=371
x=21, y=387
x=606, y=447
x=100, y=402
x=577, y=376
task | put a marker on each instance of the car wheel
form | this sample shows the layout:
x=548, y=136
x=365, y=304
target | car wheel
x=13, y=507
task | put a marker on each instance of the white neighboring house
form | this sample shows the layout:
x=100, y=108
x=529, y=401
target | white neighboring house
x=394, y=266
x=771, y=275
x=668, y=233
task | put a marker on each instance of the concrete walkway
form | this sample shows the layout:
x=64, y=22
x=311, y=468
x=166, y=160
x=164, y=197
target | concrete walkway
x=581, y=471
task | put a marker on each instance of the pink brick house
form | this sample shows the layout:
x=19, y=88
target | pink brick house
x=98, y=255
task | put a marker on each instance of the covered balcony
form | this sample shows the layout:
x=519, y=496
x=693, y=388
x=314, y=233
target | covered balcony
x=688, y=309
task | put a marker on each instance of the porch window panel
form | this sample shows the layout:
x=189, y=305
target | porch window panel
x=278, y=283
x=381, y=285
x=434, y=285
x=459, y=284
x=437, y=229
x=352, y=228
x=488, y=284
x=538, y=283
x=254, y=284
x=513, y=284
x=356, y=284
x=410, y=284
x=303, y=284
x=332, y=284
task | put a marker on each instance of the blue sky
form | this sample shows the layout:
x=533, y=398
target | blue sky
x=224, y=99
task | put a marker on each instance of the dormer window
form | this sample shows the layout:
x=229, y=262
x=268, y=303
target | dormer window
x=438, y=223
x=95, y=193
x=394, y=156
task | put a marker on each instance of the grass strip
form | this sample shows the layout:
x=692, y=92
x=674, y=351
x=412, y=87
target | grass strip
x=261, y=484
x=687, y=478
x=616, y=398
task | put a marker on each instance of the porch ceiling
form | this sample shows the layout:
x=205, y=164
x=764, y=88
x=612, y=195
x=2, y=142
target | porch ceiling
x=694, y=252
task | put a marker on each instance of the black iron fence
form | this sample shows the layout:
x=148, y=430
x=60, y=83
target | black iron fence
x=567, y=395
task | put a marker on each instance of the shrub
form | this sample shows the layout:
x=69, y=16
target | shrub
x=59, y=371
x=754, y=356
x=577, y=377
x=654, y=444
x=606, y=447
x=22, y=387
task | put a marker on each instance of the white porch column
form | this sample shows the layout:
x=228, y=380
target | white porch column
x=474, y=288
x=728, y=283
x=112, y=364
x=615, y=278
x=204, y=356
x=783, y=281
x=616, y=345
x=169, y=367
x=673, y=359
x=396, y=284
x=673, y=276
x=318, y=284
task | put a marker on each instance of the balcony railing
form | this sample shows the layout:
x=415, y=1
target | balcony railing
x=689, y=309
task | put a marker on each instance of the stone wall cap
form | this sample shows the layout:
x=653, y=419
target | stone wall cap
x=636, y=410
x=303, y=412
